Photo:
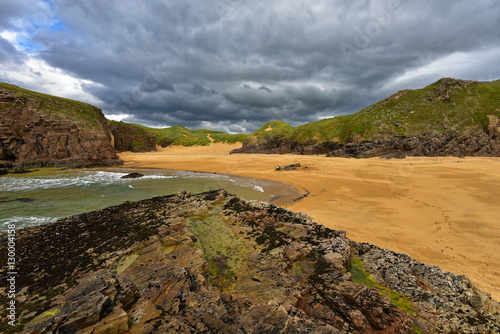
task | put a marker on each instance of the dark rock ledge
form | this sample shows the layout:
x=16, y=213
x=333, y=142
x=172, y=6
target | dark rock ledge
x=213, y=263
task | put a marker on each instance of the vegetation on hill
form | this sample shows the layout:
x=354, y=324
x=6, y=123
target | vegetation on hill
x=82, y=113
x=439, y=107
x=180, y=135
x=446, y=104
x=131, y=137
x=43, y=130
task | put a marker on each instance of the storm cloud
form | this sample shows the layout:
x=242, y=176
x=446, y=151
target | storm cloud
x=233, y=65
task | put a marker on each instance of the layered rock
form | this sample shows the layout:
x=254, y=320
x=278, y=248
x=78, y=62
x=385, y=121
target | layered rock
x=129, y=137
x=473, y=142
x=279, y=144
x=214, y=263
x=30, y=135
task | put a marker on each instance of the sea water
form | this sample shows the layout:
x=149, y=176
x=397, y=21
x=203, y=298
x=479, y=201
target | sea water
x=47, y=195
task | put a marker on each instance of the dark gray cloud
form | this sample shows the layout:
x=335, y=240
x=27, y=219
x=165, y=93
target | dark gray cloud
x=233, y=65
x=7, y=51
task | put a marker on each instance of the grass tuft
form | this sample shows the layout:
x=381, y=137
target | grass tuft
x=361, y=276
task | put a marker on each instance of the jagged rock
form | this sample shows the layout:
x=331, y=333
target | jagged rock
x=30, y=137
x=214, y=263
x=473, y=142
x=445, y=302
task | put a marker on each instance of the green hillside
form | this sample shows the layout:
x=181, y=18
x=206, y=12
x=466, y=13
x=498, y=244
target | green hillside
x=180, y=135
x=274, y=128
x=441, y=106
x=82, y=113
x=446, y=104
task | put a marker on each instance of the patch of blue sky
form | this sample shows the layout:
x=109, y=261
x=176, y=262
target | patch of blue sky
x=57, y=25
x=47, y=21
x=29, y=46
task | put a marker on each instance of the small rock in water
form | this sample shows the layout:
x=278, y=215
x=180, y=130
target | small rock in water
x=25, y=200
x=133, y=176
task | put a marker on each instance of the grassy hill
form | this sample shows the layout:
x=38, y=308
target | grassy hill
x=448, y=110
x=82, y=113
x=446, y=104
x=180, y=135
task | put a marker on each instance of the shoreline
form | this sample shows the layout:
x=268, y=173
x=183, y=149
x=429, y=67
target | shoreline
x=438, y=210
x=281, y=193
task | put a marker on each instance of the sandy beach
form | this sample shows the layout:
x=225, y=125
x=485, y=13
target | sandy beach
x=442, y=211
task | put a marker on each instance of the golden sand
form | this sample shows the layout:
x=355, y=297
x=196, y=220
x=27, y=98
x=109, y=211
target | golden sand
x=442, y=211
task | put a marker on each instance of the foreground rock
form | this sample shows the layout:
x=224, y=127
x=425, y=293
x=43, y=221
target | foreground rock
x=213, y=263
x=41, y=130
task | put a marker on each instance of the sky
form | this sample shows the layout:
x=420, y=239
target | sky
x=233, y=65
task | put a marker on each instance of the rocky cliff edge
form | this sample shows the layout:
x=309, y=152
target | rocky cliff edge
x=40, y=130
x=214, y=263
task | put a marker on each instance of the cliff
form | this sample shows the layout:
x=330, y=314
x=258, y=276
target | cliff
x=130, y=137
x=214, y=263
x=450, y=117
x=43, y=130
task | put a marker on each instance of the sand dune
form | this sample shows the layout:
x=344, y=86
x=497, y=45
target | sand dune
x=443, y=211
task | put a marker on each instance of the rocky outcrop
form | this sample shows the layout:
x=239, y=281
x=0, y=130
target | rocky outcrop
x=473, y=142
x=280, y=144
x=445, y=302
x=470, y=142
x=129, y=137
x=32, y=137
x=214, y=263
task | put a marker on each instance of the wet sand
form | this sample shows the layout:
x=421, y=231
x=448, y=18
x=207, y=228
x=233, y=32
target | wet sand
x=442, y=211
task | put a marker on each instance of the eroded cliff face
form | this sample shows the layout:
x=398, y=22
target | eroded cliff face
x=30, y=137
x=128, y=137
x=474, y=142
x=214, y=263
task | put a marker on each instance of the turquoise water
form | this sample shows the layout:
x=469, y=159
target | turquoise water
x=49, y=194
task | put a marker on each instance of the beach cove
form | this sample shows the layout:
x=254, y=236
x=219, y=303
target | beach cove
x=441, y=211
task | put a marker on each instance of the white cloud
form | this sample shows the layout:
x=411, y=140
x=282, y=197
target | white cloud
x=37, y=75
x=9, y=35
x=459, y=65
x=118, y=117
